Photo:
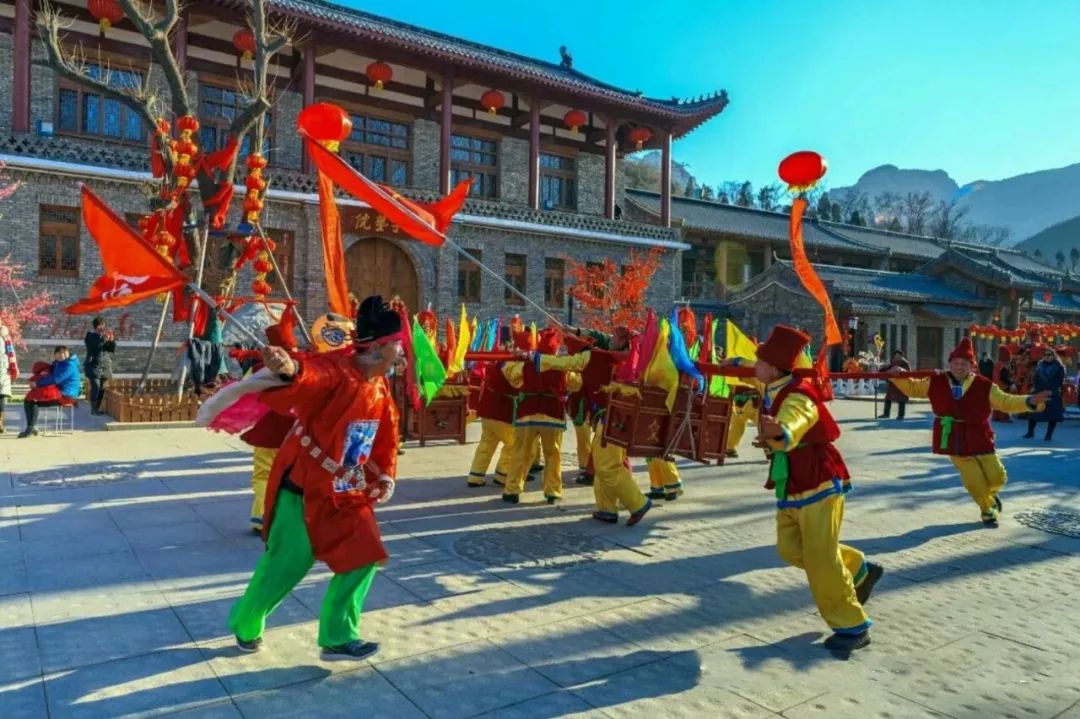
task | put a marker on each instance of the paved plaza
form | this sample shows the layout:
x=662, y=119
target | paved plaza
x=121, y=552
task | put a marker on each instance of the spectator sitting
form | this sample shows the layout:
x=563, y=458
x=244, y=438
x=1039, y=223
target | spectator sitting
x=50, y=386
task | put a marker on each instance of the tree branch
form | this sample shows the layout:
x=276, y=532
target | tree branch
x=157, y=34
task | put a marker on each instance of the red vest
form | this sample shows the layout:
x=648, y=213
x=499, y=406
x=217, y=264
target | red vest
x=970, y=431
x=496, y=397
x=543, y=393
x=596, y=375
x=815, y=459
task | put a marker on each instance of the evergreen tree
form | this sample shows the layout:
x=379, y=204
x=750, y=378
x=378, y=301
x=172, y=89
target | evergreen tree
x=745, y=198
x=707, y=193
x=894, y=225
x=856, y=219
x=1060, y=257
x=1074, y=255
x=824, y=207
x=837, y=214
x=1038, y=253
x=691, y=187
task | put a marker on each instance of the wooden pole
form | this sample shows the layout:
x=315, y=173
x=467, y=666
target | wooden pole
x=154, y=345
x=191, y=325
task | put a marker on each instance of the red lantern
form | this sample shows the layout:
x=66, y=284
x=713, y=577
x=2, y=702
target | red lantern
x=1047, y=297
x=802, y=170
x=106, y=12
x=575, y=119
x=261, y=288
x=639, y=136
x=325, y=123
x=188, y=123
x=244, y=42
x=255, y=162
x=379, y=73
x=493, y=101
x=262, y=266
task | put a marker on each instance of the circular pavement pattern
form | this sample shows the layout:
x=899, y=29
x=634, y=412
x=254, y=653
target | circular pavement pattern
x=539, y=546
x=1055, y=521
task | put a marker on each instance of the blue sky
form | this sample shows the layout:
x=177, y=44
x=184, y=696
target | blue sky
x=984, y=89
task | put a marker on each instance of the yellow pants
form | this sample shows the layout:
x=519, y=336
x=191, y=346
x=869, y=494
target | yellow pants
x=983, y=476
x=492, y=434
x=584, y=444
x=525, y=440
x=664, y=475
x=613, y=483
x=260, y=475
x=809, y=538
x=740, y=416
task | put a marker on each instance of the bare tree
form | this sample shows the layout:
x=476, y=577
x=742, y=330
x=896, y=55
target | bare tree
x=768, y=196
x=887, y=206
x=947, y=220
x=854, y=202
x=916, y=212
x=726, y=192
x=707, y=193
x=1060, y=259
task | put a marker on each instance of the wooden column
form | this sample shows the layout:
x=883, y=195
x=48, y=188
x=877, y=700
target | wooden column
x=665, y=178
x=180, y=41
x=445, y=130
x=20, y=84
x=611, y=149
x=308, y=86
x=534, y=154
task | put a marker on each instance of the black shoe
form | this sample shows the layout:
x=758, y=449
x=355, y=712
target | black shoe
x=400, y=452
x=249, y=647
x=552, y=499
x=656, y=493
x=353, y=650
x=510, y=498
x=29, y=432
x=585, y=479
x=530, y=478
x=883, y=416
x=606, y=517
x=847, y=643
x=873, y=574
x=732, y=453
x=997, y=504
x=536, y=469
x=990, y=519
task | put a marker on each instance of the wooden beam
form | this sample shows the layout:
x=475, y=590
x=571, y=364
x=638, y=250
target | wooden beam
x=180, y=40
x=665, y=178
x=534, y=155
x=307, y=87
x=611, y=147
x=445, y=127
x=20, y=83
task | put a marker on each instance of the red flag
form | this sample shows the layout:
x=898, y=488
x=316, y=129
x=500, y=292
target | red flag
x=821, y=379
x=807, y=275
x=444, y=209
x=707, y=338
x=337, y=285
x=134, y=271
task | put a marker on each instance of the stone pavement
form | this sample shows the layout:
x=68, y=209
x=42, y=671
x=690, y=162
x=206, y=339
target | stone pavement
x=120, y=554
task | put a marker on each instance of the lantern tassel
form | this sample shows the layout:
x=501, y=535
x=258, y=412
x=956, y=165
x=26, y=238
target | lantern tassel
x=378, y=84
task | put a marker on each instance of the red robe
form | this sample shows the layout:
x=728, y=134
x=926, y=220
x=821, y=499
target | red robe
x=970, y=433
x=496, y=397
x=339, y=409
x=816, y=459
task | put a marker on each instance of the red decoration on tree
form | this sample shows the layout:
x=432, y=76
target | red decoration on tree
x=261, y=288
x=325, y=123
x=575, y=119
x=244, y=42
x=607, y=295
x=1047, y=297
x=802, y=170
x=639, y=136
x=379, y=73
x=106, y=12
x=493, y=101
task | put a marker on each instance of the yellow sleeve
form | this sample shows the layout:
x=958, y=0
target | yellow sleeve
x=573, y=381
x=914, y=388
x=1002, y=401
x=565, y=363
x=514, y=372
x=797, y=415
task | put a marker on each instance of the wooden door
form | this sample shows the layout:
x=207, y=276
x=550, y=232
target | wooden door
x=375, y=266
x=929, y=345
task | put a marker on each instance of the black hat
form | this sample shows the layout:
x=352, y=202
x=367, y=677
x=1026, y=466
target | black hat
x=375, y=321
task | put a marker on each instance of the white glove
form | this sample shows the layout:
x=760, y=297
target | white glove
x=382, y=492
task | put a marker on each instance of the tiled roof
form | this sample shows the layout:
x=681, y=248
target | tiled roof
x=1059, y=302
x=895, y=286
x=466, y=53
x=987, y=264
x=945, y=312
x=717, y=217
x=862, y=306
x=897, y=243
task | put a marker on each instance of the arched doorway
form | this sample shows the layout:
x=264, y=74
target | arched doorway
x=375, y=266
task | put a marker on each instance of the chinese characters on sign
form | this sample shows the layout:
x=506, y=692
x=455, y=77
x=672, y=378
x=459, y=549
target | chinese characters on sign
x=367, y=221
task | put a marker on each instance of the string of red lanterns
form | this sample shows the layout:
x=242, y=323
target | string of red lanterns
x=1064, y=332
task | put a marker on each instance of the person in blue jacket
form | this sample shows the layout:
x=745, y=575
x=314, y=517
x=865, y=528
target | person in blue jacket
x=67, y=378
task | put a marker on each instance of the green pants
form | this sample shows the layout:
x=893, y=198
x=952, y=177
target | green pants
x=287, y=559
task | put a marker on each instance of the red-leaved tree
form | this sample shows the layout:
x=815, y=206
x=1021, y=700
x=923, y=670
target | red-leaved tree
x=19, y=311
x=607, y=294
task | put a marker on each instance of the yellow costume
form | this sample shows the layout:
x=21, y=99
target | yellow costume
x=664, y=481
x=260, y=475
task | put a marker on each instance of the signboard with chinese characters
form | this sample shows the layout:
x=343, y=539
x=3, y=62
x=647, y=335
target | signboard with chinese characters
x=366, y=221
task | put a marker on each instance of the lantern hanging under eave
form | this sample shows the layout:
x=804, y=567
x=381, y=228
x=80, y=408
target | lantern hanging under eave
x=802, y=170
x=244, y=42
x=106, y=12
x=325, y=123
x=639, y=136
x=492, y=101
x=575, y=119
x=379, y=73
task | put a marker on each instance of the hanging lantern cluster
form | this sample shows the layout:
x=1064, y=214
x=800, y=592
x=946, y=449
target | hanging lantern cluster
x=575, y=119
x=379, y=73
x=244, y=42
x=639, y=136
x=185, y=151
x=492, y=101
x=106, y=12
x=1060, y=332
x=253, y=206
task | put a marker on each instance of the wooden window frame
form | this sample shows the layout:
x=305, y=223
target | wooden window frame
x=467, y=271
x=549, y=269
x=368, y=149
x=492, y=172
x=509, y=297
x=222, y=125
x=566, y=175
x=64, y=85
x=43, y=226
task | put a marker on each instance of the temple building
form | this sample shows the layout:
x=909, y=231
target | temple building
x=543, y=142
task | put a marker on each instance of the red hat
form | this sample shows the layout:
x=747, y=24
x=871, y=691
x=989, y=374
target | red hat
x=783, y=348
x=575, y=344
x=1004, y=355
x=550, y=340
x=964, y=350
x=523, y=341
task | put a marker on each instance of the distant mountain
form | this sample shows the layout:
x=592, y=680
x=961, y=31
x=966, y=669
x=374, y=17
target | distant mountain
x=1026, y=204
x=1062, y=237
x=643, y=172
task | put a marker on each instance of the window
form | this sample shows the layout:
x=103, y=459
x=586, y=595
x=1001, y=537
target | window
x=58, y=241
x=892, y=339
x=81, y=111
x=378, y=148
x=217, y=108
x=558, y=182
x=468, y=278
x=515, y=277
x=956, y=336
x=477, y=158
x=554, y=282
x=903, y=339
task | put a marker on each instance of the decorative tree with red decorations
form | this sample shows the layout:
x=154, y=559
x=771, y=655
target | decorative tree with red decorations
x=18, y=310
x=607, y=294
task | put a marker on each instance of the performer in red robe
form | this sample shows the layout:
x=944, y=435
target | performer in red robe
x=336, y=463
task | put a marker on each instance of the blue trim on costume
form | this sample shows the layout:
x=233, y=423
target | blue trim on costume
x=536, y=362
x=477, y=474
x=857, y=629
x=787, y=437
x=836, y=488
x=861, y=574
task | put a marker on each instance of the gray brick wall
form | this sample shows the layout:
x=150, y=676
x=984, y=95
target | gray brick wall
x=7, y=70
x=425, y=154
x=42, y=86
x=513, y=170
x=286, y=144
x=590, y=183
